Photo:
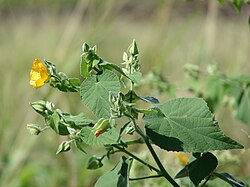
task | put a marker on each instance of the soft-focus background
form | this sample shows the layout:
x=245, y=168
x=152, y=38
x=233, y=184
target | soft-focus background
x=169, y=34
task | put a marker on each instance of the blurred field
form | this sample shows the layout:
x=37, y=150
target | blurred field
x=169, y=34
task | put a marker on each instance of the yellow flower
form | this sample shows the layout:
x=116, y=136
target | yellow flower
x=183, y=158
x=38, y=74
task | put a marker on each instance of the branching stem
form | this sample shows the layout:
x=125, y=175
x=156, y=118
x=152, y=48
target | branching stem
x=145, y=177
x=153, y=153
x=137, y=158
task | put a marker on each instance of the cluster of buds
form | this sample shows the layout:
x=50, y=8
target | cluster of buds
x=53, y=117
x=43, y=108
x=60, y=80
x=131, y=60
x=89, y=59
x=117, y=107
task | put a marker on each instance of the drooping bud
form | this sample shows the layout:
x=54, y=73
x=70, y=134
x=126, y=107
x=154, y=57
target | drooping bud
x=63, y=147
x=94, y=162
x=34, y=129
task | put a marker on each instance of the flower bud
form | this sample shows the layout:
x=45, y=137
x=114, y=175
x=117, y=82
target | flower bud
x=94, y=162
x=63, y=147
x=101, y=126
x=85, y=47
x=34, y=129
x=42, y=107
x=133, y=49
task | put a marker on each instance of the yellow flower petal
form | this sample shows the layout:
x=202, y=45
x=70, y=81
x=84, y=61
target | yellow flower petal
x=38, y=74
x=183, y=158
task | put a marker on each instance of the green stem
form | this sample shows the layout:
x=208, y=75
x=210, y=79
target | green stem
x=136, y=158
x=153, y=153
x=163, y=172
x=145, y=177
x=132, y=142
x=111, y=152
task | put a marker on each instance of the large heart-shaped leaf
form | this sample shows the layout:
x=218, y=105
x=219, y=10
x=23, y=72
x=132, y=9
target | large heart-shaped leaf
x=186, y=124
x=95, y=92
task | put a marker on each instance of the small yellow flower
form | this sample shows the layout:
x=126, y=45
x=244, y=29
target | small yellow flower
x=38, y=74
x=183, y=158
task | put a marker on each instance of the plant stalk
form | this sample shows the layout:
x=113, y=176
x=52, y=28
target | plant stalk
x=153, y=153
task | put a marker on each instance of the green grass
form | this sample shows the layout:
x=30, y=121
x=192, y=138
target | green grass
x=168, y=38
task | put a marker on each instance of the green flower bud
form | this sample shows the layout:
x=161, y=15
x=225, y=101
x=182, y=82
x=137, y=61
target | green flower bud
x=85, y=47
x=63, y=147
x=94, y=162
x=133, y=49
x=43, y=107
x=34, y=129
x=101, y=126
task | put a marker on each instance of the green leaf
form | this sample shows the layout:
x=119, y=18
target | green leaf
x=83, y=67
x=110, y=66
x=78, y=145
x=149, y=99
x=132, y=97
x=200, y=168
x=54, y=122
x=78, y=120
x=146, y=111
x=135, y=77
x=74, y=82
x=95, y=92
x=243, y=112
x=108, y=137
x=118, y=176
x=186, y=124
x=230, y=179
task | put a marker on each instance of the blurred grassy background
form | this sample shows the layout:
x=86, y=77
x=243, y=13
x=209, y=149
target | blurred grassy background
x=169, y=34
